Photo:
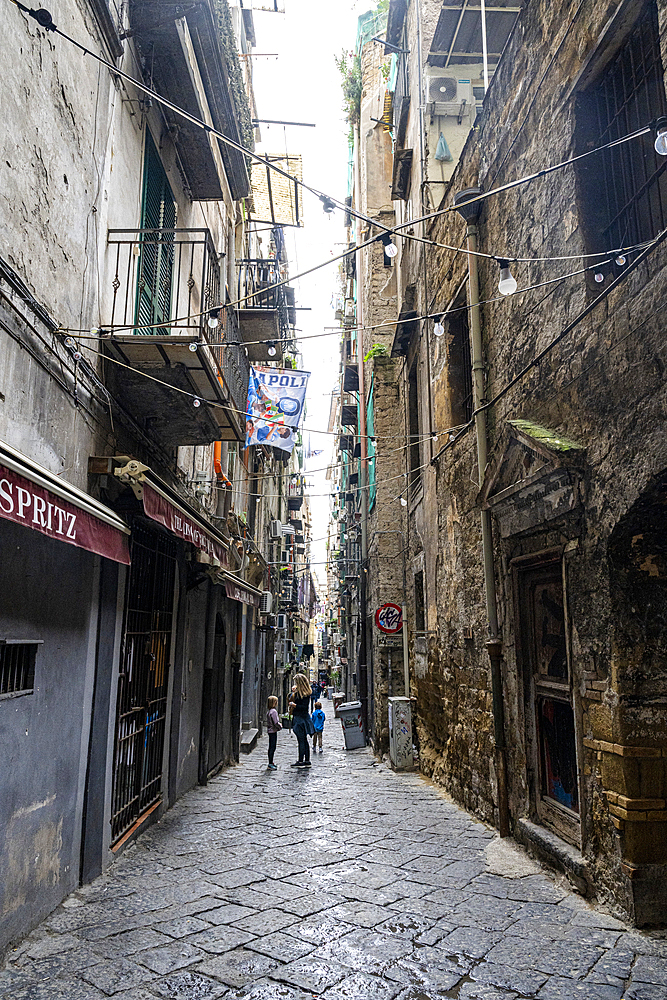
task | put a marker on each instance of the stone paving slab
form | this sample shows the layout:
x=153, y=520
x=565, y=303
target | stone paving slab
x=344, y=882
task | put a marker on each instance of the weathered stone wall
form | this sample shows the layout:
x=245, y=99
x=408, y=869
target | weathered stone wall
x=386, y=533
x=602, y=386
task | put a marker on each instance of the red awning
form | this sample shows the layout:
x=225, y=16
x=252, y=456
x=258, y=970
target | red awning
x=182, y=524
x=34, y=497
x=237, y=590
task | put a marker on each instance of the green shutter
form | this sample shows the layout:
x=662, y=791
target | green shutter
x=156, y=259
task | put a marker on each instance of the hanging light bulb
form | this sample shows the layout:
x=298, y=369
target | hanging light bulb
x=389, y=246
x=328, y=205
x=196, y=403
x=438, y=328
x=271, y=349
x=404, y=502
x=599, y=277
x=193, y=347
x=507, y=284
x=621, y=259
x=213, y=320
x=660, y=144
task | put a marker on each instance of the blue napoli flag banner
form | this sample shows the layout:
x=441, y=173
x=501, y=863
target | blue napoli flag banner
x=276, y=397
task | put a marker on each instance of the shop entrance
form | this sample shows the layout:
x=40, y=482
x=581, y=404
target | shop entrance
x=143, y=678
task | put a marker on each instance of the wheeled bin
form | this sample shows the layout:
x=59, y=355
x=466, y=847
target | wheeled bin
x=352, y=722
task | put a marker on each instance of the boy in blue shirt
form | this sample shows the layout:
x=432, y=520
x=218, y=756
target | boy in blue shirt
x=318, y=718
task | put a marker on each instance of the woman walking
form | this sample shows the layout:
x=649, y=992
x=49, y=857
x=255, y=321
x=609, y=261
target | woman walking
x=302, y=727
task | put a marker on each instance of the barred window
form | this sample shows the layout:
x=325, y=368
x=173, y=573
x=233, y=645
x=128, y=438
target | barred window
x=17, y=666
x=625, y=188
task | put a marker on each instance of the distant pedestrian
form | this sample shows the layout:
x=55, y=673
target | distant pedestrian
x=318, y=724
x=302, y=727
x=315, y=692
x=273, y=727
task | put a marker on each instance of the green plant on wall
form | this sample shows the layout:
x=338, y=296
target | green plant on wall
x=377, y=351
x=349, y=67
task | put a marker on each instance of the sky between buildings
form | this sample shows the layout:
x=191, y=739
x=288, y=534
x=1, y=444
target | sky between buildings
x=303, y=84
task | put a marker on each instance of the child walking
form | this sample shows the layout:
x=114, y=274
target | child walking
x=318, y=718
x=273, y=727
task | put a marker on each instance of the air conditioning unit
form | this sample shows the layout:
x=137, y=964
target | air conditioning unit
x=337, y=638
x=276, y=529
x=266, y=602
x=281, y=621
x=449, y=90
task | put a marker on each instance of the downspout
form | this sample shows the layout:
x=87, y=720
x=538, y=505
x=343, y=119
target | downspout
x=422, y=211
x=493, y=644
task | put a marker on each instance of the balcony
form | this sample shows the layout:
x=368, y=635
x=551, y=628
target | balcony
x=182, y=47
x=266, y=309
x=164, y=283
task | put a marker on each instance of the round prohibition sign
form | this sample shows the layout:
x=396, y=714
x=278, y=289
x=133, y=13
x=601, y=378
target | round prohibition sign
x=389, y=618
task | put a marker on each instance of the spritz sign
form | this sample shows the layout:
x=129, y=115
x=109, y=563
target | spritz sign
x=389, y=618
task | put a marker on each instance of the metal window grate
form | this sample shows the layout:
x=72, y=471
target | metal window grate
x=630, y=94
x=143, y=678
x=17, y=666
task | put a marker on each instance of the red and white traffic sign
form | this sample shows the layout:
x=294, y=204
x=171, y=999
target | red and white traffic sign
x=389, y=618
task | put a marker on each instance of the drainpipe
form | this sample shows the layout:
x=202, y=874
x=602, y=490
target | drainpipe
x=366, y=661
x=494, y=644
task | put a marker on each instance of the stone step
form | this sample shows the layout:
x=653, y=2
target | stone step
x=249, y=740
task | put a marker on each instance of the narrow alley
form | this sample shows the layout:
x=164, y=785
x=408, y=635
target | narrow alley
x=345, y=880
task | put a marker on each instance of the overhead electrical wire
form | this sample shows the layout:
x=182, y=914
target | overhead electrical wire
x=232, y=409
x=556, y=340
x=332, y=332
x=45, y=20
x=261, y=476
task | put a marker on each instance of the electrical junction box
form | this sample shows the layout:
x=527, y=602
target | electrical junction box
x=400, y=734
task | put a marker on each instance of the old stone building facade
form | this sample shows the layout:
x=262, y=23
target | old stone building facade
x=135, y=527
x=532, y=424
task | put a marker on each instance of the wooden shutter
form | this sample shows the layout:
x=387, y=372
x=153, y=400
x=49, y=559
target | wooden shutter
x=156, y=260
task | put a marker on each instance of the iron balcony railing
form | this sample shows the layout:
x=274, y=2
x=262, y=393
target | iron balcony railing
x=233, y=362
x=166, y=281
x=259, y=288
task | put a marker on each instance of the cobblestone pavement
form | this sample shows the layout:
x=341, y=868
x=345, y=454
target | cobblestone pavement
x=342, y=881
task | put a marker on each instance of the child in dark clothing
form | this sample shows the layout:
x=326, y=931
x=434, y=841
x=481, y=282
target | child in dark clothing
x=318, y=718
x=273, y=727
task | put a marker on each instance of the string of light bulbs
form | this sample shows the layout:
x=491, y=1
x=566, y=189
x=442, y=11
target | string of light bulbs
x=197, y=401
x=659, y=125
x=662, y=236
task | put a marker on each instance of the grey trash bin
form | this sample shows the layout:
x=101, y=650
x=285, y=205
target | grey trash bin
x=352, y=722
